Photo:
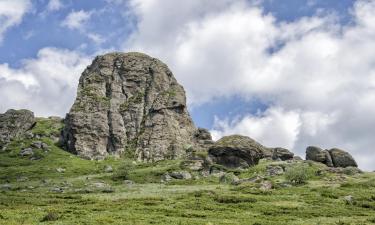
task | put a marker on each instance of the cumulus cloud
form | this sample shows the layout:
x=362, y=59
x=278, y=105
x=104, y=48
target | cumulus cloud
x=76, y=19
x=46, y=84
x=11, y=14
x=284, y=126
x=316, y=75
x=54, y=5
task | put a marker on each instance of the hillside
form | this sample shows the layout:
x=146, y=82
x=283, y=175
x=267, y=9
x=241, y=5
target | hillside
x=61, y=188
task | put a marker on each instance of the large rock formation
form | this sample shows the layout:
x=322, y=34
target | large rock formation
x=332, y=158
x=236, y=151
x=129, y=102
x=14, y=123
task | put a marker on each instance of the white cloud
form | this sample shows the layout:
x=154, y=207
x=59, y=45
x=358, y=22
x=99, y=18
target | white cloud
x=47, y=84
x=54, y=5
x=285, y=127
x=11, y=14
x=316, y=69
x=76, y=19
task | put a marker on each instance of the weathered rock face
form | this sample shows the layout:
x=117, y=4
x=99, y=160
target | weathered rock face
x=341, y=158
x=332, y=158
x=236, y=151
x=318, y=155
x=132, y=102
x=281, y=154
x=14, y=123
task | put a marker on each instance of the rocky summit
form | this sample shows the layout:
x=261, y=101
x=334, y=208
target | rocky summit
x=129, y=103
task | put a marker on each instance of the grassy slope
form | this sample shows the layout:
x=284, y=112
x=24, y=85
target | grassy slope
x=202, y=201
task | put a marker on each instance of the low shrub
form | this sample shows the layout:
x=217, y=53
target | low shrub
x=298, y=174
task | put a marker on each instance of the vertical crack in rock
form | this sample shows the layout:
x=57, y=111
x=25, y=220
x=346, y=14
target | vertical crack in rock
x=129, y=102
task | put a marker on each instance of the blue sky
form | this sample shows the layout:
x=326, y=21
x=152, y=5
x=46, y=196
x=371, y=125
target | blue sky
x=280, y=71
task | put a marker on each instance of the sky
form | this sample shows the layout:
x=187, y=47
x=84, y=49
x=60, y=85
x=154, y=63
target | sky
x=288, y=73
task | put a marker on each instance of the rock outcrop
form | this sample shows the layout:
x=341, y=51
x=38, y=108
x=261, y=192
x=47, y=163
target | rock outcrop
x=236, y=151
x=129, y=102
x=317, y=154
x=332, y=158
x=341, y=158
x=281, y=154
x=14, y=124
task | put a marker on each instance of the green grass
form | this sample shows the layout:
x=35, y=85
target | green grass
x=30, y=198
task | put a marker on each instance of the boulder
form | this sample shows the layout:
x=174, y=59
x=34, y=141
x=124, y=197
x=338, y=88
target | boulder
x=274, y=170
x=236, y=151
x=14, y=124
x=36, y=144
x=332, y=158
x=229, y=178
x=317, y=154
x=129, y=102
x=182, y=175
x=281, y=154
x=27, y=152
x=341, y=158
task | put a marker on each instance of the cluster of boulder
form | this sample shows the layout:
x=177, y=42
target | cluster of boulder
x=332, y=158
x=131, y=103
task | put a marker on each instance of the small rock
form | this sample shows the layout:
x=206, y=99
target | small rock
x=108, y=169
x=166, y=178
x=128, y=182
x=99, y=185
x=37, y=144
x=60, y=170
x=22, y=179
x=57, y=189
x=184, y=175
x=194, y=165
x=229, y=178
x=6, y=186
x=27, y=152
x=45, y=146
x=297, y=158
x=348, y=199
x=255, y=179
x=274, y=170
x=266, y=185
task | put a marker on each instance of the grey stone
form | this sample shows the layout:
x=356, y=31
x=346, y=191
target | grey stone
x=255, y=179
x=318, y=155
x=194, y=165
x=236, y=151
x=27, y=152
x=166, y=178
x=60, y=170
x=181, y=175
x=266, y=185
x=45, y=146
x=37, y=144
x=108, y=169
x=297, y=158
x=228, y=178
x=349, y=199
x=128, y=182
x=57, y=189
x=281, y=154
x=341, y=158
x=129, y=101
x=274, y=170
x=14, y=124
x=5, y=186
